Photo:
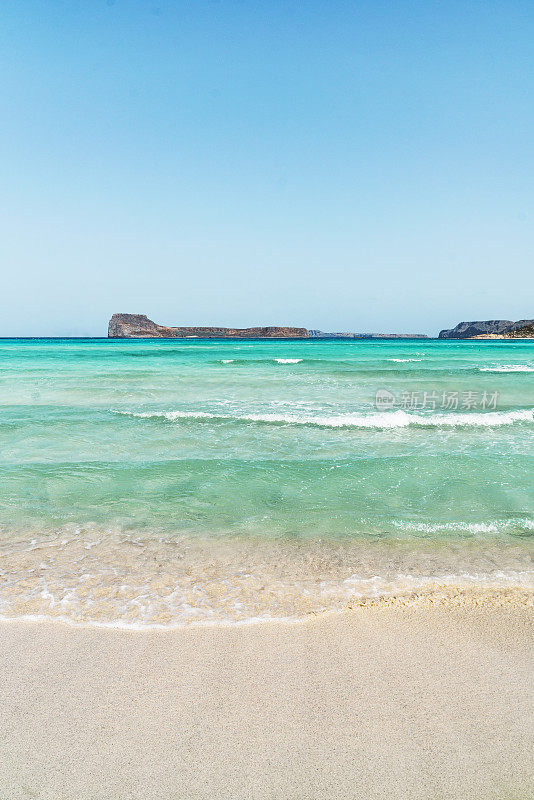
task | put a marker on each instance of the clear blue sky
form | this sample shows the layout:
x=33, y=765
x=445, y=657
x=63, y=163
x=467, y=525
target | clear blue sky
x=339, y=165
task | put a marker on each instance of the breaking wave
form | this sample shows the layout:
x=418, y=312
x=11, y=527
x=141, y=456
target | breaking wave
x=379, y=421
x=497, y=526
x=508, y=368
x=288, y=360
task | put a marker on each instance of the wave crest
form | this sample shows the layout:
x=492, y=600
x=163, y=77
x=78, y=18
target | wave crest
x=508, y=368
x=378, y=421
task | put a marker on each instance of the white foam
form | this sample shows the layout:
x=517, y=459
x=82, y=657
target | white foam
x=288, y=360
x=227, y=361
x=110, y=581
x=508, y=368
x=404, y=360
x=379, y=421
x=320, y=596
x=170, y=414
x=468, y=527
x=497, y=579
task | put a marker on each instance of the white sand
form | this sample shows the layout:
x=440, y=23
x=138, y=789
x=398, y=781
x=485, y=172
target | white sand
x=383, y=701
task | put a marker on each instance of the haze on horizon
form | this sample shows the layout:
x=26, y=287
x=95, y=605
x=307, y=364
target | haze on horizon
x=359, y=166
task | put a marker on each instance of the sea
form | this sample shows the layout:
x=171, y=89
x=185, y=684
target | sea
x=148, y=483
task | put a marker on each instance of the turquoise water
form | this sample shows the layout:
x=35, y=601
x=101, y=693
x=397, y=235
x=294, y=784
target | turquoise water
x=250, y=456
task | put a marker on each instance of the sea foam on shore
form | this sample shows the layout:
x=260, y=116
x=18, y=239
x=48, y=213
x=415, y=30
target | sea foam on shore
x=90, y=577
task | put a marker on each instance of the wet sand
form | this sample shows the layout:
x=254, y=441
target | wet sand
x=429, y=700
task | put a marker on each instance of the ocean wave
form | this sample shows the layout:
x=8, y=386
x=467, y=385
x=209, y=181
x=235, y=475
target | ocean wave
x=508, y=368
x=227, y=361
x=496, y=526
x=288, y=360
x=378, y=421
x=118, y=581
x=404, y=360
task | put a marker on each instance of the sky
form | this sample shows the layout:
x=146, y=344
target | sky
x=363, y=166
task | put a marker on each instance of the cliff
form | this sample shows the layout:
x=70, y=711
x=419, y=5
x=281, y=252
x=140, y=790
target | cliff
x=135, y=325
x=138, y=326
x=525, y=332
x=493, y=327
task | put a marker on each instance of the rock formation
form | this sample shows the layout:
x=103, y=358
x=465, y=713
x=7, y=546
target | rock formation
x=499, y=327
x=138, y=326
x=135, y=325
x=525, y=332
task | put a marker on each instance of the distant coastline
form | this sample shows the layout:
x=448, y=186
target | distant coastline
x=491, y=329
x=139, y=326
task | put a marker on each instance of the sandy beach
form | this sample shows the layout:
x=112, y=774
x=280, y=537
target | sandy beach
x=267, y=401
x=431, y=699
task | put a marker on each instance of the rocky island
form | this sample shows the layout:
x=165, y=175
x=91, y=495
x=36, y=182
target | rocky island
x=138, y=326
x=525, y=332
x=489, y=329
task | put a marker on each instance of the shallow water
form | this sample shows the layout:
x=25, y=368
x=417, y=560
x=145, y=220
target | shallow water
x=167, y=481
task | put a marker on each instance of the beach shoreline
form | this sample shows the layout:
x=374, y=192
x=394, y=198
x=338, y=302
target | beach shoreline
x=227, y=572
x=132, y=581
x=424, y=698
